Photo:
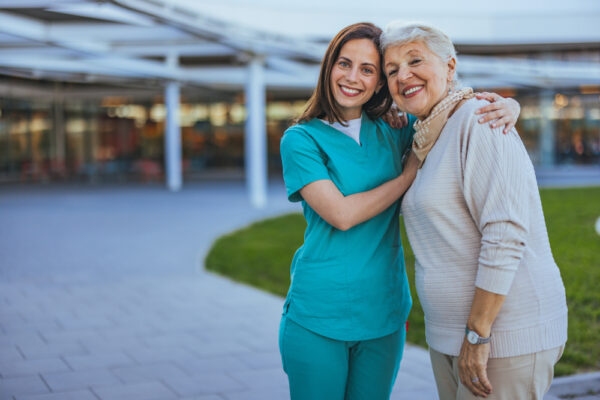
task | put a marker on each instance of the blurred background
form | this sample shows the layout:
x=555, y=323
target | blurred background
x=178, y=91
x=108, y=107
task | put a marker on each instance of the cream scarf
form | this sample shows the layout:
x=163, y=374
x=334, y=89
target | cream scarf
x=428, y=130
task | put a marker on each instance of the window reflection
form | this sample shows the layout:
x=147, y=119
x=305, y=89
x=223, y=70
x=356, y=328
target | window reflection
x=119, y=140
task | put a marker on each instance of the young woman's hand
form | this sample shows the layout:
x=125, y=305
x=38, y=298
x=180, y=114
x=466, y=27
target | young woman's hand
x=501, y=111
x=395, y=118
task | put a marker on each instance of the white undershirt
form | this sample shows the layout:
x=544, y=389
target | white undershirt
x=352, y=130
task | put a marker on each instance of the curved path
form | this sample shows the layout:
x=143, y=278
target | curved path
x=103, y=296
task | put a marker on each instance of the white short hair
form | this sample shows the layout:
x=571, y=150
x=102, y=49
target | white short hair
x=398, y=33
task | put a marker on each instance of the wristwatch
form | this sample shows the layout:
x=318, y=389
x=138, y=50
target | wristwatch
x=474, y=338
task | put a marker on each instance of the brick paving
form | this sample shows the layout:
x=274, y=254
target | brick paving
x=103, y=296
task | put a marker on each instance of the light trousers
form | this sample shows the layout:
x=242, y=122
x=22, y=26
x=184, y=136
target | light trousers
x=320, y=368
x=526, y=377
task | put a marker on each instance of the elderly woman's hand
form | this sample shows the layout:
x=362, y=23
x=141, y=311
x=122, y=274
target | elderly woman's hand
x=501, y=111
x=472, y=368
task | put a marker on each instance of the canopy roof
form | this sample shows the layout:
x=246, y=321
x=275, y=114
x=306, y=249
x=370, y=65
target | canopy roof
x=206, y=45
x=466, y=21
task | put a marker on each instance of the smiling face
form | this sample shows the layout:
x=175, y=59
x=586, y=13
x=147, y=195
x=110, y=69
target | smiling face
x=417, y=77
x=355, y=76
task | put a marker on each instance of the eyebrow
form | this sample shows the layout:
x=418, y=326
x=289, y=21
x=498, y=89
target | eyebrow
x=414, y=51
x=349, y=60
x=409, y=52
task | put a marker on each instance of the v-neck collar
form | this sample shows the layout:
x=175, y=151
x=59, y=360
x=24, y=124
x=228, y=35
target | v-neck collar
x=366, y=126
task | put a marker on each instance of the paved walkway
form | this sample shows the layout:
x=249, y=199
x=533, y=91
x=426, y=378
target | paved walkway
x=103, y=296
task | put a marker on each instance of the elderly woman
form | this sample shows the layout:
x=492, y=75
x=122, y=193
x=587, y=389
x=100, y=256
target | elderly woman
x=494, y=301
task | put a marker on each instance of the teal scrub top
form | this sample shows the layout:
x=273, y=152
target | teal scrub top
x=347, y=285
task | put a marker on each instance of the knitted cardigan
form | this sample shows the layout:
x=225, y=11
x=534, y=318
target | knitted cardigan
x=474, y=219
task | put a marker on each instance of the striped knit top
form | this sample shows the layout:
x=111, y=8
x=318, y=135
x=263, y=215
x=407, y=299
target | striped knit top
x=474, y=219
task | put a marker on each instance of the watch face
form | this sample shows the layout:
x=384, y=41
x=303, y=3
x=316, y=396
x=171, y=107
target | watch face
x=472, y=337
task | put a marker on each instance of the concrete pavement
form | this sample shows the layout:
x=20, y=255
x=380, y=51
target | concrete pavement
x=103, y=296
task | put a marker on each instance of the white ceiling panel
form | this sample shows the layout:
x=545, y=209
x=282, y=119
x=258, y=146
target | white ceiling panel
x=52, y=39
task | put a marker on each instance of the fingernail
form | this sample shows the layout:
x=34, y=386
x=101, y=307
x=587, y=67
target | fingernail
x=493, y=125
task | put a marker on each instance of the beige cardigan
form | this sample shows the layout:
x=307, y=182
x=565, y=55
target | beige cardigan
x=474, y=219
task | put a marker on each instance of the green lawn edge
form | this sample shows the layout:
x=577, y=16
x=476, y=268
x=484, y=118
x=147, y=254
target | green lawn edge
x=260, y=255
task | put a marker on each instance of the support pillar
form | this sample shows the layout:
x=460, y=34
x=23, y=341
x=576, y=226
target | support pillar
x=172, y=131
x=547, y=130
x=172, y=138
x=256, y=136
x=58, y=163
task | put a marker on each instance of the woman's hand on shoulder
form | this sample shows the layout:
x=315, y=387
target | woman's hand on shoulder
x=500, y=111
x=395, y=118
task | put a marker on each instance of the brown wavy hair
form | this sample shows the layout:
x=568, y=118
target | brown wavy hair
x=322, y=104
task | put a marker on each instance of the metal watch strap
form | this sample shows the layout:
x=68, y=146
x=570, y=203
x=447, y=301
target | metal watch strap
x=480, y=340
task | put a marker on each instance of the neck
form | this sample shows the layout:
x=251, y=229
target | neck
x=348, y=115
x=424, y=117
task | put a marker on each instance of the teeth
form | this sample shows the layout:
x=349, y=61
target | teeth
x=412, y=90
x=348, y=90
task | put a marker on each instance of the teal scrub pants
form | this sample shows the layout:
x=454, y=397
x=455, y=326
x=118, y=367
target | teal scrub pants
x=320, y=368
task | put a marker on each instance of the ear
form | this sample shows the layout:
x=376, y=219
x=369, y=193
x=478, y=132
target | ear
x=451, y=69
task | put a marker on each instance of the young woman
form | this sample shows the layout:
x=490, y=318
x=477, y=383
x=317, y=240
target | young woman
x=342, y=331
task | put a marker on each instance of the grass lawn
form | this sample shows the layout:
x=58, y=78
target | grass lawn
x=260, y=255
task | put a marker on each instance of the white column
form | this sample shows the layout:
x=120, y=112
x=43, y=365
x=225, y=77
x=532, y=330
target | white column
x=256, y=135
x=547, y=130
x=172, y=137
x=58, y=122
x=172, y=131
